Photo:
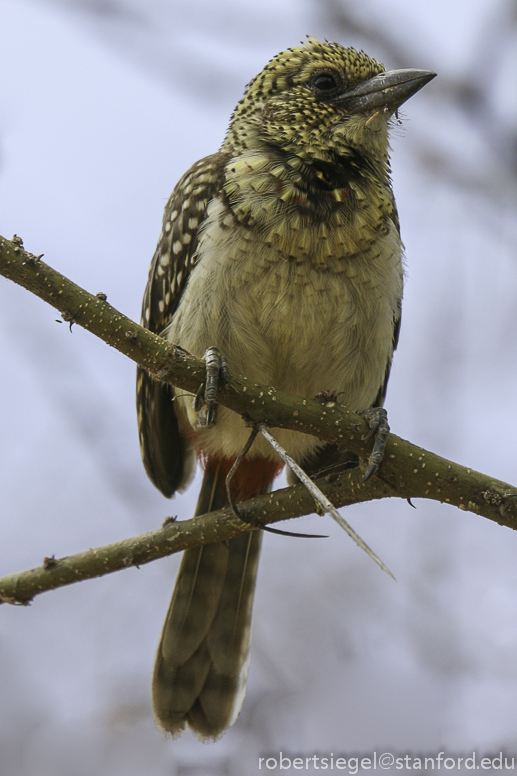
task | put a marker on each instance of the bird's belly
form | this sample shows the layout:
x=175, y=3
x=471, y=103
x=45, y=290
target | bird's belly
x=297, y=326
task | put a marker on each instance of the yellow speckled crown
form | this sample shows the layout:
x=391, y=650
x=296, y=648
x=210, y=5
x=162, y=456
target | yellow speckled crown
x=281, y=108
x=297, y=64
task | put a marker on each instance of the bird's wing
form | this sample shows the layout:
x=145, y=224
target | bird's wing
x=379, y=401
x=164, y=451
x=381, y=396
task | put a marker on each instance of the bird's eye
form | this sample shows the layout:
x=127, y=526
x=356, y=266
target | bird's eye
x=324, y=82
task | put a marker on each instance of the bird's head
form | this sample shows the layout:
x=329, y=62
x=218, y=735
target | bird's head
x=322, y=99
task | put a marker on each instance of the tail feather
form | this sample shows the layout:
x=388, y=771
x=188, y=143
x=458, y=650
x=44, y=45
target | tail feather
x=229, y=637
x=221, y=700
x=176, y=687
x=203, y=655
x=195, y=601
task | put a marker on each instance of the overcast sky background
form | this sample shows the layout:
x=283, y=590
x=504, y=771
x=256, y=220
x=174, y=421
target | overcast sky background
x=103, y=105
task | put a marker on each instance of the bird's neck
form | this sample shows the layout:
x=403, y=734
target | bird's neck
x=280, y=193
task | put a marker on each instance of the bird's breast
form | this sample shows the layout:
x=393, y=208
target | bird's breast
x=301, y=323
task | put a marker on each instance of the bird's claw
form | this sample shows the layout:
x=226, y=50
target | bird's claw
x=377, y=419
x=217, y=374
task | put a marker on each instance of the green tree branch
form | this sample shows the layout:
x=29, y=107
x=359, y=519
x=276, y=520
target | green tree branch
x=408, y=471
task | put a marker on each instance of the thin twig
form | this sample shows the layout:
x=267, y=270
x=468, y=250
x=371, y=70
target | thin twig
x=245, y=450
x=321, y=498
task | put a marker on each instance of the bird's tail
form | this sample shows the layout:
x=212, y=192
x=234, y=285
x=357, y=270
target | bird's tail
x=203, y=655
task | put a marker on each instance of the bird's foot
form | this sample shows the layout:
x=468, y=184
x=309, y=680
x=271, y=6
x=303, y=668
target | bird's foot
x=377, y=419
x=217, y=374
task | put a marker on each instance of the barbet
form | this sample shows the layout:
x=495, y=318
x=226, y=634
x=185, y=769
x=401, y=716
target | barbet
x=283, y=251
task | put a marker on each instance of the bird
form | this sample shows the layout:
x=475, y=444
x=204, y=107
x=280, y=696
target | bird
x=282, y=253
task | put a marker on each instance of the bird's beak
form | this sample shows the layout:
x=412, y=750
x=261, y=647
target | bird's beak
x=389, y=90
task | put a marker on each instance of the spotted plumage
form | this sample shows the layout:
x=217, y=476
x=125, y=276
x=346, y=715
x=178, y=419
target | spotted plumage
x=172, y=262
x=283, y=250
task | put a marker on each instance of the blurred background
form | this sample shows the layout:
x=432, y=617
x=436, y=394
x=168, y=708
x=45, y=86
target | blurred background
x=103, y=105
